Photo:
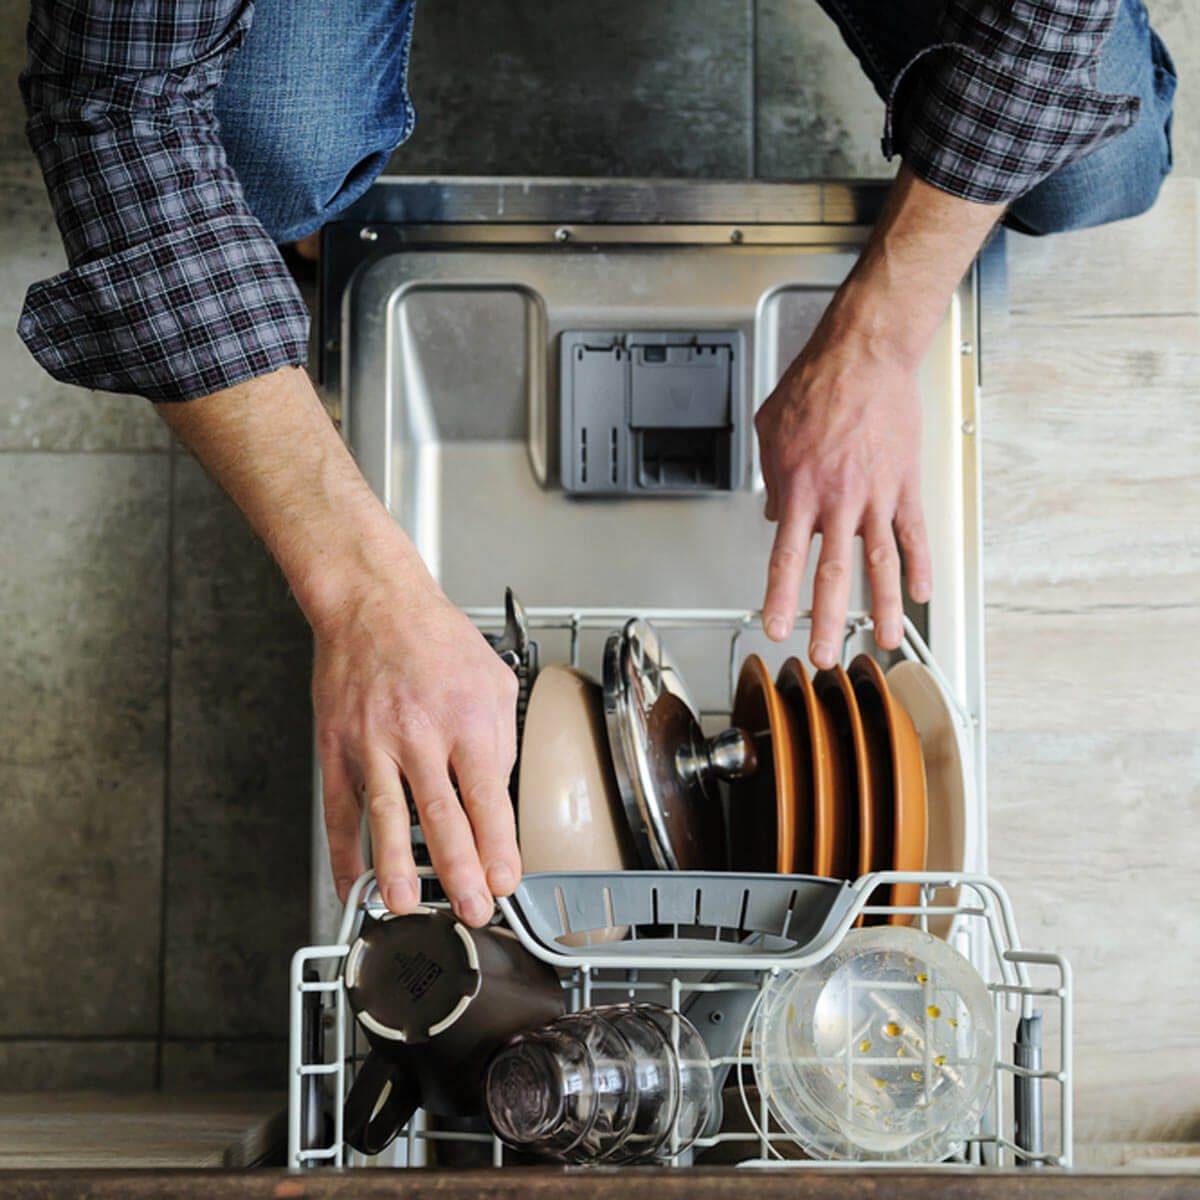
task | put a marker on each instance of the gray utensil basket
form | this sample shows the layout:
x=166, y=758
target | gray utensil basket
x=683, y=929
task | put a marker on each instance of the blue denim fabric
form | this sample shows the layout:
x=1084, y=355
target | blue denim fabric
x=1120, y=179
x=1123, y=177
x=313, y=105
x=317, y=99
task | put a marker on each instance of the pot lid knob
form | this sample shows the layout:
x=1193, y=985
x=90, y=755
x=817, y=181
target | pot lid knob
x=729, y=755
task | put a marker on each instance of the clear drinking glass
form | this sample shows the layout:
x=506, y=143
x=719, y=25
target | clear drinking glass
x=622, y=1083
x=678, y=1123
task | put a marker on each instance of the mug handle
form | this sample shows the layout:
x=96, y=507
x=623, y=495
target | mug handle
x=381, y=1102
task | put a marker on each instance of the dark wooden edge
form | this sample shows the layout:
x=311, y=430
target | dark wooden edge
x=601, y=1184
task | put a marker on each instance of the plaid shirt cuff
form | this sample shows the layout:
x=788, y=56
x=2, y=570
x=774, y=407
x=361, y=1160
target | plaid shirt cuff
x=187, y=313
x=989, y=132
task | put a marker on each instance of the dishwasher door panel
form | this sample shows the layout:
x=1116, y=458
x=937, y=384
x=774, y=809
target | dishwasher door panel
x=447, y=367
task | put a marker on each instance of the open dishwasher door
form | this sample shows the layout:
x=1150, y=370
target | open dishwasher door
x=552, y=383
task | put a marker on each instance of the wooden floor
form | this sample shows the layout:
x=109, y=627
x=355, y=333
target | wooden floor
x=111, y=1130
x=1091, y=446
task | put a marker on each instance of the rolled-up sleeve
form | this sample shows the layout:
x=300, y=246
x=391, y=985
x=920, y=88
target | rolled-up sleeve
x=1006, y=96
x=174, y=289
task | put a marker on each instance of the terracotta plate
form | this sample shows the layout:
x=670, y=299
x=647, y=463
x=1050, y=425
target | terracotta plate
x=822, y=835
x=895, y=752
x=855, y=802
x=876, y=767
x=948, y=781
x=762, y=807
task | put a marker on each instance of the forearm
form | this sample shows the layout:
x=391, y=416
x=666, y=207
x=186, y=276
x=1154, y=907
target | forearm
x=916, y=256
x=270, y=444
x=405, y=691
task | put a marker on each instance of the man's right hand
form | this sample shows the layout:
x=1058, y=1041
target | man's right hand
x=406, y=689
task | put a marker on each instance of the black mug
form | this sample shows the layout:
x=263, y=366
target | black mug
x=434, y=999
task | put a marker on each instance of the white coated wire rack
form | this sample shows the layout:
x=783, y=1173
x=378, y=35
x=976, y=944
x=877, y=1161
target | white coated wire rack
x=325, y=1046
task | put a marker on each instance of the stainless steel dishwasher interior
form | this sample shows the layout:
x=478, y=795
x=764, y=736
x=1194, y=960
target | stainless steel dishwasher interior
x=441, y=318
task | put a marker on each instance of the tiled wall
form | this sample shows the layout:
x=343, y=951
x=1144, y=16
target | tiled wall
x=154, y=727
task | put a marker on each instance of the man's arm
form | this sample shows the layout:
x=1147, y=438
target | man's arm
x=840, y=435
x=175, y=292
x=404, y=686
x=1004, y=97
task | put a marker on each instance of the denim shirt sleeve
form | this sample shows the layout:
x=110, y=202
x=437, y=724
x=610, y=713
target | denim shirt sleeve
x=174, y=289
x=1006, y=96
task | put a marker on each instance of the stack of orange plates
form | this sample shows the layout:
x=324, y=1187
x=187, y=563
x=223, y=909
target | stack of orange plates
x=855, y=798
x=857, y=772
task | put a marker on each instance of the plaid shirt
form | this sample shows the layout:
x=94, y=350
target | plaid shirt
x=1005, y=96
x=175, y=290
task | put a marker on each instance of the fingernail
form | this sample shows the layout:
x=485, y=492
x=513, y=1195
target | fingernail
x=476, y=908
x=343, y=887
x=889, y=635
x=777, y=629
x=400, y=893
x=500, y=879
x=821, y=654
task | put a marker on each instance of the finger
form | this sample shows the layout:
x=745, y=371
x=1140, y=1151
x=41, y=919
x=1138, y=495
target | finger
x=771, y=507
x=482, y=775
x=506, y=730
x=914, y=545
x=785, y=572
x=342, y=823
x=391, y=843
x=766, y=465
x=449, y=838
x=883, y=571
x=831, y=590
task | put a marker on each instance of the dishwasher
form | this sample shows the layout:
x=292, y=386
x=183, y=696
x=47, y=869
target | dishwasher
x=551, y=385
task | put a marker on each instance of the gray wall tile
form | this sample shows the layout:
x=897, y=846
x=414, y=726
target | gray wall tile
x=612, y=88
x=208, y=1066
x=80, y=856
x=85, y=615
x=13, y=14
x=82, y=731
x=817, y=113
x=52, y=1066
x=37, y=412
x=237, y=868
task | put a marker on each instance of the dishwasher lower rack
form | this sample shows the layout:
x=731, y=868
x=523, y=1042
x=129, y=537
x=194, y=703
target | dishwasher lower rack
x=326, y=1047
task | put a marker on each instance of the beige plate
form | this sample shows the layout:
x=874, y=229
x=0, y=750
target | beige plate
x=570, y=816
x=945, y=773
